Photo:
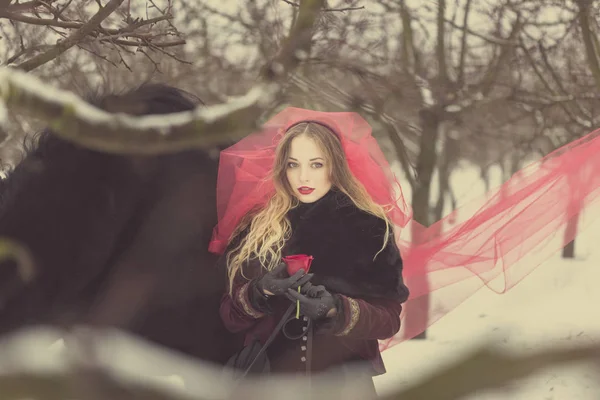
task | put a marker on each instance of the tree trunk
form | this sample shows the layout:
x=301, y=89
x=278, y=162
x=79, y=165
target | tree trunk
x=571, y=229
x=447, y=160
x=421, y=211
x=425, y=166
x=515, y=163
x=444, y=184
x=569, y=249
x=485, y=176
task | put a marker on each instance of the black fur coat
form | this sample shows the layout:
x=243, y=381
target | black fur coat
x=345, y=242
x=350, y=260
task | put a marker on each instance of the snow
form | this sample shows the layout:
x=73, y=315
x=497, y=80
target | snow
x=553, y=306
x=425, y=89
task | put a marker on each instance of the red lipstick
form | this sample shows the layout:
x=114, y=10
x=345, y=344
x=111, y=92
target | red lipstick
x=305, y=190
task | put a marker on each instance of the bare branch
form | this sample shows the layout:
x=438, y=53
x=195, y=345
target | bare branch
x=463, y=45
x=58, y=15
x=298, y=44
x=13, y=16
x=79, y=122
x=400, y=147
x=127, y=31
x=134, y=43
x=160, y=49
x=409, y=57
x=503, y=59
x=550, y=89
x=586, y=33
x=483, y=36
x=343, y=9
x=440, y=44
x=104, y=58
x=73, y=39
x=154, y=63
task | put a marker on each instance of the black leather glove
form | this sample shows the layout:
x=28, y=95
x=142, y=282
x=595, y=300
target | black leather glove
x=277, y=281
x=315, y=301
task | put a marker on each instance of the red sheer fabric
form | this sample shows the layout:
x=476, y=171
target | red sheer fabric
x=494, y=241
x=244, y=171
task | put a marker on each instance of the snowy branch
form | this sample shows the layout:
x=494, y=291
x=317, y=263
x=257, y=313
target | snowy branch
x=44, y=386
x=11, y=250
x=107, y=378
x=76, y=121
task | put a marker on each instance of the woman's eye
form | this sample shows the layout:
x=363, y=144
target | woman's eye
x=292, y=165
x=317, y=165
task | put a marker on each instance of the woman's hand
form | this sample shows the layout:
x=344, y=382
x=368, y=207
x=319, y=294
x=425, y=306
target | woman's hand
x=315, y=301
x=277, y=281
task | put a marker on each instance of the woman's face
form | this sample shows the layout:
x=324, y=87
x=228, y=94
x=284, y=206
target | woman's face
x=307, y=171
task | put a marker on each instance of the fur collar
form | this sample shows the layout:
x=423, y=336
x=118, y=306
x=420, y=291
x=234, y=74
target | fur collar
x=344, y=241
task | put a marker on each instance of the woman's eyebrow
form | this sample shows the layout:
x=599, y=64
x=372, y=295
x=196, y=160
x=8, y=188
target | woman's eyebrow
x=312, y=159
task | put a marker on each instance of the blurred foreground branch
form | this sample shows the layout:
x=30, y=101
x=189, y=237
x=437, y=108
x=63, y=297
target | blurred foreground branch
x=15, y=260
x=57, y=386
x=482, y=370
x=11, y=250
x=75, y=120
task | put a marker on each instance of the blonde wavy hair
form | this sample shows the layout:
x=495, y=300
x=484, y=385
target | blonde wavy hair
x=269, y=227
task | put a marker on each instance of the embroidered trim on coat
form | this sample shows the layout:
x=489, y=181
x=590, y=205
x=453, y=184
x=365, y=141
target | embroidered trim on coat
x=242, y=298
x=354, y=316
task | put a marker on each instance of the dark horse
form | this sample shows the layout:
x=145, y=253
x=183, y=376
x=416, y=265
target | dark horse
x=119, y=241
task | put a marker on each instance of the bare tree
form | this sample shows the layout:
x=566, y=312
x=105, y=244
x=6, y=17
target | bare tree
x=437, y=97
x=76, y=24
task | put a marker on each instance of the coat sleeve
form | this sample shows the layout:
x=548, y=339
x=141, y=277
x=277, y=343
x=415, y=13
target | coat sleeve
x=368, y=319
x=371, y=317
x=237, y=310
x=241, y=309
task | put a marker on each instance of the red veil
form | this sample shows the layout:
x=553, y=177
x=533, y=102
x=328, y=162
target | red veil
x=493, y=241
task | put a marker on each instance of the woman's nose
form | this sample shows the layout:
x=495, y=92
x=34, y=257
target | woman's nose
x=304, y=175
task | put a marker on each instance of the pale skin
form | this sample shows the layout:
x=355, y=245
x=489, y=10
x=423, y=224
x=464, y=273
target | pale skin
x=308, y=168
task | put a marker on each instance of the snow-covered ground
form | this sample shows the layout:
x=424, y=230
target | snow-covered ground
x=554, y=305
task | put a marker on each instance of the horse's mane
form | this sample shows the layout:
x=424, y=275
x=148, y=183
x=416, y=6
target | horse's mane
x=92, y=220
x=148, y=98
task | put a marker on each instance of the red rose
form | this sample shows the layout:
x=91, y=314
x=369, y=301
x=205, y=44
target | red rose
x=296, y=262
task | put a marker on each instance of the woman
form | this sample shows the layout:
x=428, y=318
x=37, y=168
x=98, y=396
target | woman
x=354, y=292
